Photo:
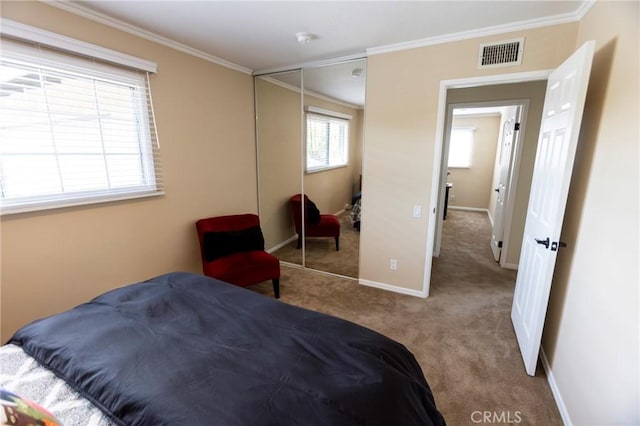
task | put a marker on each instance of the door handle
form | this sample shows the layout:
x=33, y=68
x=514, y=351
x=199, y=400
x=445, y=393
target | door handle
x=544, y=242
x=557, y=244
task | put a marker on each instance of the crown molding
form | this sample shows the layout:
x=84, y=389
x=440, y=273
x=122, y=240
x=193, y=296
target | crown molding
x=85, y=12
x=312, y=64
x=19, y=31
x=310, y=92
x=488, y=31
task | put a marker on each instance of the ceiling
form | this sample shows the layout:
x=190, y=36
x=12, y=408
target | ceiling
x=260, y=36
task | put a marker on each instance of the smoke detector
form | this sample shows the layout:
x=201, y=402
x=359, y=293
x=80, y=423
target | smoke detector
x=304, y=38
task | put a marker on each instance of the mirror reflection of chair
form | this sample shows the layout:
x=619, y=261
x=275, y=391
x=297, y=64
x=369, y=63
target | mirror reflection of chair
x=232, y=250
x=328, y=225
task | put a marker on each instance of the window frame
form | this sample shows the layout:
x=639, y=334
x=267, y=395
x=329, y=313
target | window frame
x=330, y=117
x=103, y=65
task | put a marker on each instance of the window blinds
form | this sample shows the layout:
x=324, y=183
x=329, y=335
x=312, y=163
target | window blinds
x=74, y=130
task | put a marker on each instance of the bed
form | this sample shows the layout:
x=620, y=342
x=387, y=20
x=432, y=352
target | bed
x=183, y=349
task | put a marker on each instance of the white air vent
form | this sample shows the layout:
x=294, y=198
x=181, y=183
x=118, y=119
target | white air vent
x=501, y=53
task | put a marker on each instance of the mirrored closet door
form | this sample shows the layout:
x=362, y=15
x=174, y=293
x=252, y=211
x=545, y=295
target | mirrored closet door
x=310, y=138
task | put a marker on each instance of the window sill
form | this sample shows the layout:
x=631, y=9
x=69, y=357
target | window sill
x=84, y=202
x=324, y=169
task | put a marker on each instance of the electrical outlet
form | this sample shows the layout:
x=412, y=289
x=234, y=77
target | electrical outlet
x=393, y=264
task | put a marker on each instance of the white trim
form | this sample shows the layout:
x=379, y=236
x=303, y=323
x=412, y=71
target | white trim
x=28, y=33
x=562, y=407
x=309, y=92
x=282, y=244
x=156, y=38
x=484, y=32
x=469, y=209
x=437, y=158
x=329, y=113
x=78, y=202
x=312, y=64
x=393, y=288
x=85, y=12
x=335, y=101
x=512, y=266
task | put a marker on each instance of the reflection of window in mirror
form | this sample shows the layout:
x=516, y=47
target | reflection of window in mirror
x=327, y=141
x=461, y=147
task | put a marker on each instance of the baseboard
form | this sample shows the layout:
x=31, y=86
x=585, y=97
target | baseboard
x=393, y=288
x=470, y=209
x=282, y=244
x=512, y=266
x=564, y=413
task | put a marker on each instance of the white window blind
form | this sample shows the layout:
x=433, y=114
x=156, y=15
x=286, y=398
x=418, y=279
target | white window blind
x=327, y=142
x=461, y=147
x=73, y=130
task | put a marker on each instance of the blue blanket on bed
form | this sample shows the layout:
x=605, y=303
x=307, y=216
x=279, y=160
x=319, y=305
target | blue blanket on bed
x=183, y=349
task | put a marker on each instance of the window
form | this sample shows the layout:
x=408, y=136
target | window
x=461, y=147
x=327, y=141
x=73, y=131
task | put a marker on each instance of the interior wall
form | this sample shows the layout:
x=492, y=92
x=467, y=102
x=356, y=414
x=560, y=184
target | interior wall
x=401, y=120
x=279, y=129
x=472, y=185
x=591, y=335
x=56, y=259
x=534, y=91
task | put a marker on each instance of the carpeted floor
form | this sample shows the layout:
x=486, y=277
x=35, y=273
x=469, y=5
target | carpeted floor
x=461, y=335
x=321, y=253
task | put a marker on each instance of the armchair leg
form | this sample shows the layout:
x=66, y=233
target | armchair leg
x=276, y=287
x=337, y=243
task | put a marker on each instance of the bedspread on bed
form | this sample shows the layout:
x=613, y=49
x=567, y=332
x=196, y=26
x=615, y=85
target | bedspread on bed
x=183, y=349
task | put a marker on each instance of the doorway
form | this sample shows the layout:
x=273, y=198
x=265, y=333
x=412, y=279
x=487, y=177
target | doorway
x=527, y=92
x=480, y=163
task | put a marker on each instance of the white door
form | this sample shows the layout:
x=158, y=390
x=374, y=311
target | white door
x=504, y=165
x=559, y=129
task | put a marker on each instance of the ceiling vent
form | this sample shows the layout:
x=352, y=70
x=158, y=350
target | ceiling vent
x=501, y=54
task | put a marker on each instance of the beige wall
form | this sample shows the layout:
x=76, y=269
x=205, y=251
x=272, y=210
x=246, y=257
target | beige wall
x=591, y=332
x=472, y=186
x=279, y=112
x=402, y=102
x=533, y=92
x=54, y=260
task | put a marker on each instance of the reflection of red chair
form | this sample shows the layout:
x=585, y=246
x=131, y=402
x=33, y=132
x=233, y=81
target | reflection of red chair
x=328, y=226
x=232, y=250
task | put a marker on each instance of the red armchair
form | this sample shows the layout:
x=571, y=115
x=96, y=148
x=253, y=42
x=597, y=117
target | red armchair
x=232, y=250
x=327, y=226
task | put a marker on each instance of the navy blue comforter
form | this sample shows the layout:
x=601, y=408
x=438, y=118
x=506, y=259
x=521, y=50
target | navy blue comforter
x=183, y=349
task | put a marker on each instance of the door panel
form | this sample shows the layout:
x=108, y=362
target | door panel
x=505, y=164
x=560, y=127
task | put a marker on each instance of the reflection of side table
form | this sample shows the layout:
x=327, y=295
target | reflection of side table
x=446, y=199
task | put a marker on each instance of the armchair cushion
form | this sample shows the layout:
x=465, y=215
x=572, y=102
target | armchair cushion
x=244, y=268
x=312, y=212
x=223, y=243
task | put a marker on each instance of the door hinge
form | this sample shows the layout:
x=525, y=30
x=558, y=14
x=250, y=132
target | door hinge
x=499, y=244
x=517, y=126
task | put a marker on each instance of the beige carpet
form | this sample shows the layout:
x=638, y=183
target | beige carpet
x=321, y=253
x=461, y=335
